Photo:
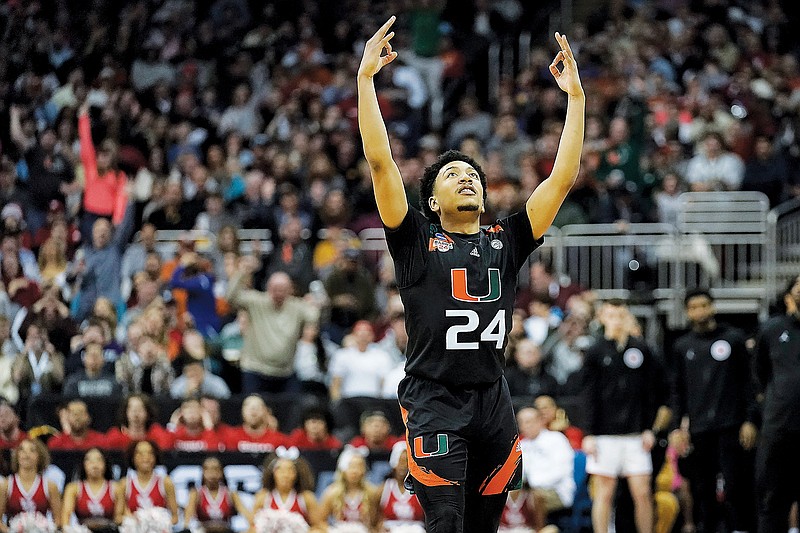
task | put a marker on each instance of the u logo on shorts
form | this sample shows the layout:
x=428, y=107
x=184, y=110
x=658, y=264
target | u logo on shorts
x=442, y=447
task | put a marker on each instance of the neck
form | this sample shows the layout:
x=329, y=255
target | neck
x=26, y=474
x=95, y=480
x=705, y=326
x=255, y=430
x=79, y=433
x=460, y=224
x=144, y=476
x=93, y=373
x=194, y=428
x=10, y=433
x=136, y=429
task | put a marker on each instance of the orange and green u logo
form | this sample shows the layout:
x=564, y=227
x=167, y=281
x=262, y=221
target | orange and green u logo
x=442, y=447
x=458, y=280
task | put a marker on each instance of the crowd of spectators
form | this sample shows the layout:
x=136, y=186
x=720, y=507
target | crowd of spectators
x=128, y=119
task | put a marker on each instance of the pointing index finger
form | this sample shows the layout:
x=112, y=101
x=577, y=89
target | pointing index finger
x=387, y=25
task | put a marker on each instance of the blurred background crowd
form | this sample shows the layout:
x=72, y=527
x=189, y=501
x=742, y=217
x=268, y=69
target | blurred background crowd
x=186, y=211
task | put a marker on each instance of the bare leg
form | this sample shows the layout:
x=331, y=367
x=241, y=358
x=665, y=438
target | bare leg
x=642, y=502
x=604, y=490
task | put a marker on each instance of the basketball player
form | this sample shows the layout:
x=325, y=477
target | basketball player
x=457, y=282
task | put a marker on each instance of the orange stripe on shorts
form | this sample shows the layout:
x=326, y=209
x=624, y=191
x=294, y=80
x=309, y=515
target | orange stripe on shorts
x=499, y=479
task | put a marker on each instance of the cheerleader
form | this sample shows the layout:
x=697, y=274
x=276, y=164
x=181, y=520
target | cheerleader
x=142, y=488
x=288, y=484
x=399, y=506
x=350, y=498
x=26, y=489
x=91, y=499
x=213, y=505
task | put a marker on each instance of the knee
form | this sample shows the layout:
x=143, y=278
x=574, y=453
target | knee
x=446, y=518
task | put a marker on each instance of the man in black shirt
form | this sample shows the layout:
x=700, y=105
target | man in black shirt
x=713, y=398
x=778, y=374
x=625, y=395
x=458, y=283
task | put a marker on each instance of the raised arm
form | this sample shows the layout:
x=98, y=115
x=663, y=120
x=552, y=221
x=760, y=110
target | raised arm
x=390, y=194
x=88, y=154
x=546, y=200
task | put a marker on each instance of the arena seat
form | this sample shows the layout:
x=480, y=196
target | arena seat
x=347, y=415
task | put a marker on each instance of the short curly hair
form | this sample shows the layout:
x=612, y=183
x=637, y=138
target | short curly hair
x=429, y=178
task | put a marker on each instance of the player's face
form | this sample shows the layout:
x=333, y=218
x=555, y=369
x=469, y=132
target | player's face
x=457, y=188
x=699, y=309
x=94, y=464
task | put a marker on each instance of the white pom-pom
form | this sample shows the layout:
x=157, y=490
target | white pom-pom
x=279, y=521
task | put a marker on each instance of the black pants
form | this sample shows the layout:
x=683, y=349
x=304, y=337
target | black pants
x=777, y=475
x=464, y=452
x=720, y=452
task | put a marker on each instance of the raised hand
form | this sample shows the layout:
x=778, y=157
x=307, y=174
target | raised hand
x=372, y=61
x=567, y=78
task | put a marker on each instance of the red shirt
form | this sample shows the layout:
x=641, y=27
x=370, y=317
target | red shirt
x=299, y=438
x=93, y=439
x=218, y=509
x=137, y=497
x=91, y=505
x=237, y=439
x=205, y=441
x=574, y=436
x=118, y=438
x=390, y=441
x=102, y=195
x=294, y=503
x=398, y=505
x=13, y=443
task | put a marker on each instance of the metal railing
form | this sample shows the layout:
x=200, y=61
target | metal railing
x=722, y=241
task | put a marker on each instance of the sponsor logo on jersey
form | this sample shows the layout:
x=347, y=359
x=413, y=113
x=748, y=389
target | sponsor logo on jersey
x=784, y=336
x=458, y=283
x=475, y=252
x=497, y=244
x=440, y=243
x=720, y=350
x=689, y=354
x=633, y=358
x=442, y=447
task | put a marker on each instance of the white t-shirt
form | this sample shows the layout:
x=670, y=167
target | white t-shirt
x=548, y=462
x=362, y=373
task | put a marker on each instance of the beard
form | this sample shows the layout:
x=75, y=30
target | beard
x=468, y=207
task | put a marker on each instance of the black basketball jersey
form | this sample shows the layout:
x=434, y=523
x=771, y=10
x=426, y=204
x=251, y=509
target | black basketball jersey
x=458, y=291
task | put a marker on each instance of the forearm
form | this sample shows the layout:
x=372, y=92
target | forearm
x=87, y=146
x=568, y=157
x=370, y=123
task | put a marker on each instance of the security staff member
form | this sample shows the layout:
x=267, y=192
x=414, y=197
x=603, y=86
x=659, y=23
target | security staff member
x=714, y=398
x=778, y=373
